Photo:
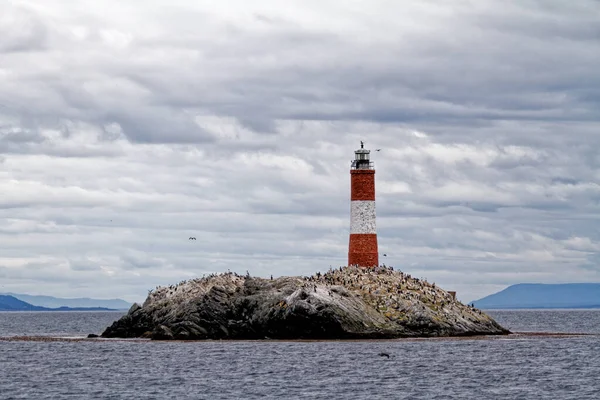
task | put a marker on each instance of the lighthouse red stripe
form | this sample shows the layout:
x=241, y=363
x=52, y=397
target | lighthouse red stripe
x=362, y=250
x=362, y=184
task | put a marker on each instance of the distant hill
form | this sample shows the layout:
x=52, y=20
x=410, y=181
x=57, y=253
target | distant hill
x=11, y=303
x=56, y=302
x=537, y=295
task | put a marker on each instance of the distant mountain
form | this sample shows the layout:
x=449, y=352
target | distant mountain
x=537, y=295
x=11, y=303
x=56, y=302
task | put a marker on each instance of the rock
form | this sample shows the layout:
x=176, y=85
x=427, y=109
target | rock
x=345, y=303
x=92, y=335
x=162, y=332
x=132, y=325
x=134, y=307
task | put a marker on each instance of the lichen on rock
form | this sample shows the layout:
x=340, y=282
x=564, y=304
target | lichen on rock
x=343, y=303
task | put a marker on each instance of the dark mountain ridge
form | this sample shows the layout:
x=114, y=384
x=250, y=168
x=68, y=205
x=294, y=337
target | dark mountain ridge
x=82, y=302
x=11, y=303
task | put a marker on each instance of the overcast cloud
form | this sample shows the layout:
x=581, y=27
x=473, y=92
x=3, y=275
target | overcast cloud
x=127, y=127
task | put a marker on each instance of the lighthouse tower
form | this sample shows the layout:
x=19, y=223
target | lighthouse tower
x=362, y=250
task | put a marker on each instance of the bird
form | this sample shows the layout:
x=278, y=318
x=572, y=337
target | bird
x=384, y=355
x=377, y=149
x=385, y=255
x=192, y=238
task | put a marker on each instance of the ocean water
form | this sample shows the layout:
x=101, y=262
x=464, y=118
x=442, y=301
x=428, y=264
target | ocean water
x=536, y=367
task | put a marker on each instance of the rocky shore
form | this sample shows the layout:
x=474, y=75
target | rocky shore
x=343, y=303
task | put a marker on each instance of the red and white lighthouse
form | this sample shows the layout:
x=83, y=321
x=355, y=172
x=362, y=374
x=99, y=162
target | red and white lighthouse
x=362, y=250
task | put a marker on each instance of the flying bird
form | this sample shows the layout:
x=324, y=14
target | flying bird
x=192, y=238
x=385, y=255
x=377, y=149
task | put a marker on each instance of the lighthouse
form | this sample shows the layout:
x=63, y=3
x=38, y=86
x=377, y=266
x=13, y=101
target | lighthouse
x=362, y=250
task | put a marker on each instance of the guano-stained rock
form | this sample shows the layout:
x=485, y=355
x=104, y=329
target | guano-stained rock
x=344, y=303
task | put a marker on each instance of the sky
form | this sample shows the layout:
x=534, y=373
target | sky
x=128, y=127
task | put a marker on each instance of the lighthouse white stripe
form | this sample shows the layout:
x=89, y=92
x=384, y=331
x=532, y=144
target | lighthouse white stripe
x=362, y=216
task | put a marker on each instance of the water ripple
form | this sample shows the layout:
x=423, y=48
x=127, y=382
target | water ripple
x=533, y=368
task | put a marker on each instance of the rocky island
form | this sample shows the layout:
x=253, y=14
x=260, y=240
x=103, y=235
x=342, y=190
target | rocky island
x=343, y=303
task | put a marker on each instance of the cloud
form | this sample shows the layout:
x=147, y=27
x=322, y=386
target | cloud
x=126, y=129
x=21, y=30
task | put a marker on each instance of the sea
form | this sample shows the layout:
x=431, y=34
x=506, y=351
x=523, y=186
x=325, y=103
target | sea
x=507, y=367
